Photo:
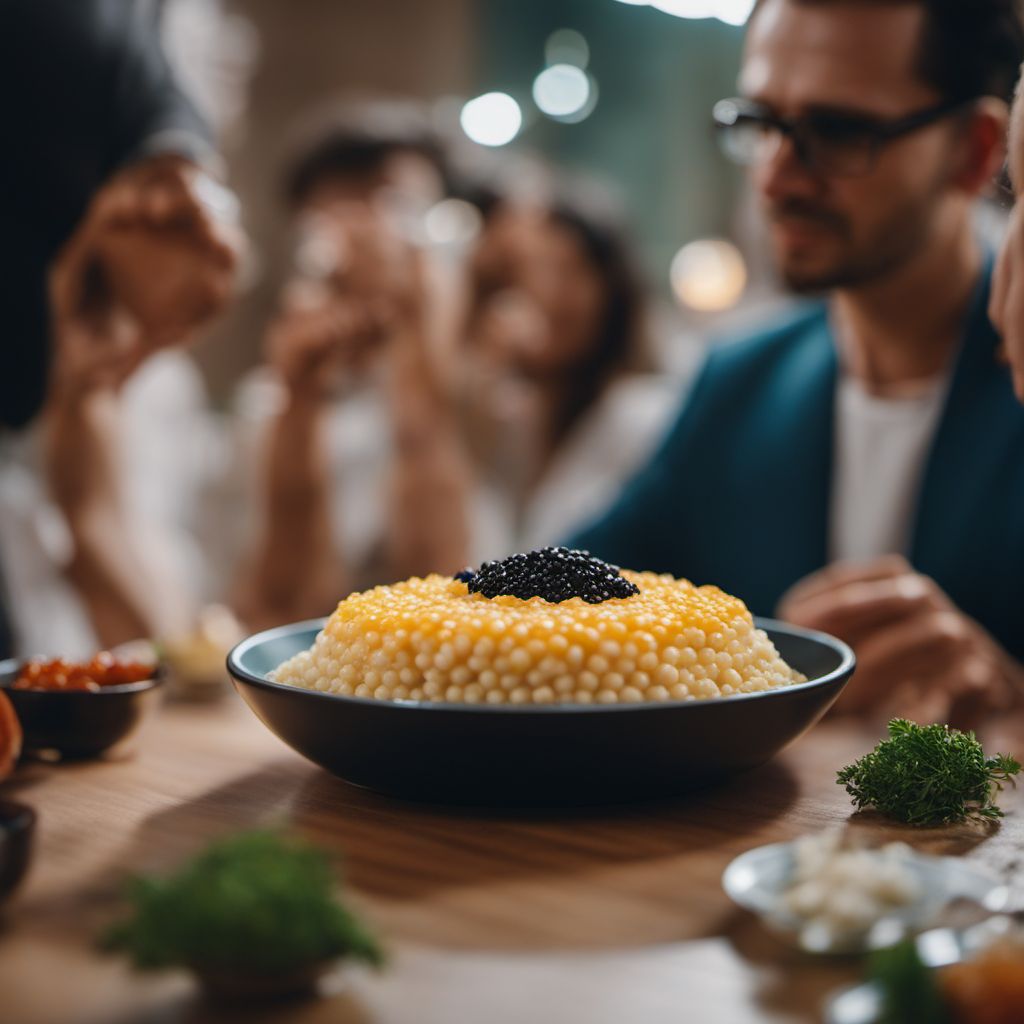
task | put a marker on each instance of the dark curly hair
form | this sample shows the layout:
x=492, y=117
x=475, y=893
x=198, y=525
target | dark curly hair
x=342, y=140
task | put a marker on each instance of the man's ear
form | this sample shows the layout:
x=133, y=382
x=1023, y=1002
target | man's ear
x=985, y=148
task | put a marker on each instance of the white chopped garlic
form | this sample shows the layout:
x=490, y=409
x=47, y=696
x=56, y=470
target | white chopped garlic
x=844, y=891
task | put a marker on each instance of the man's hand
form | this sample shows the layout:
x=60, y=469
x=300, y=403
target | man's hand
x=917, y=654
x=318, y=338
x=159, y=245
x=1006, y=306
x=356, y=250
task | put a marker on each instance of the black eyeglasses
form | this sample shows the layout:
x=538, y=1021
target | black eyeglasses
x=838, y=144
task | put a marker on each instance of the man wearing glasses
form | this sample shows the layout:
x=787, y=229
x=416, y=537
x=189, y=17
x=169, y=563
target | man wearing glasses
x=849, y=468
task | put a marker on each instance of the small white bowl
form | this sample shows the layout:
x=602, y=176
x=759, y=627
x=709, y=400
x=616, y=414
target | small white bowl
x=758, y=879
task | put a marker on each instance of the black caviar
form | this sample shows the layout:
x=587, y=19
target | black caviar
x=555, y=574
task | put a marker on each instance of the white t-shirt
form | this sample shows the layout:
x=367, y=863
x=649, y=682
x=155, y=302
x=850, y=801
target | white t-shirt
x=880, y=449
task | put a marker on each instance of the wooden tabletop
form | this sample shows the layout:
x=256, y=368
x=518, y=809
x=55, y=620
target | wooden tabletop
x=607, y=915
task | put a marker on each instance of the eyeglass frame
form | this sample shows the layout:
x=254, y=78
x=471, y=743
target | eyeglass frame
x=881, y=131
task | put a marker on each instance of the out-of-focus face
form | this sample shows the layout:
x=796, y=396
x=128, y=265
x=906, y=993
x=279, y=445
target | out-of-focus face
x=351, y=229
x=858, y=59
x=539, y=301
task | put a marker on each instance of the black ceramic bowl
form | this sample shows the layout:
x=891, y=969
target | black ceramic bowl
x=79, y=723
x=561, y=754
x=17, y=826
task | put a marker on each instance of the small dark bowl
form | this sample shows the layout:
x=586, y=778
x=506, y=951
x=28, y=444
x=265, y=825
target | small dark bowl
x=229, y=985
x=17, y=826
x=550, y=754
x=79, y=723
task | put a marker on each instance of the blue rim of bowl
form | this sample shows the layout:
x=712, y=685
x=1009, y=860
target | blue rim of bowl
x=846, y=665
x=141, y=686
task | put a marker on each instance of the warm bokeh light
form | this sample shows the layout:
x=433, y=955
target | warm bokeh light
x=493, y=119
x=451, y=222
x=561, y=90
x=567, y=46
x=708, y=275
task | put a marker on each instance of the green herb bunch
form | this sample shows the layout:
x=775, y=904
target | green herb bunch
x=910, y=992
x=256, y=901
x=929, y=775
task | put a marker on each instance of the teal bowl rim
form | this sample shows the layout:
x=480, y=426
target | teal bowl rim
x=848, y=662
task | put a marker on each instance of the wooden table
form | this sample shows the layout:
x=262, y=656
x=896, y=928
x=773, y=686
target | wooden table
x=611, y=915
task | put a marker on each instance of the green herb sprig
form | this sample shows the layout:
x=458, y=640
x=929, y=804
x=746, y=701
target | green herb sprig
x=256, y=902
x=910, y=992
x=929, y=775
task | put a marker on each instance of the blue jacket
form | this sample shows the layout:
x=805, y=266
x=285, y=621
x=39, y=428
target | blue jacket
x=738, y=494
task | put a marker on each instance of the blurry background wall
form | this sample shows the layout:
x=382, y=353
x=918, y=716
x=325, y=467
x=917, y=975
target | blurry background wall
x=657, y=78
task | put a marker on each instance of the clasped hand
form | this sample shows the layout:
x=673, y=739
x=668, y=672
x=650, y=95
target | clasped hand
x=918, y=655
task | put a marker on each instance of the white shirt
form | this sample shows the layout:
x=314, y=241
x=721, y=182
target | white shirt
x=612, y=441
x=880, y=449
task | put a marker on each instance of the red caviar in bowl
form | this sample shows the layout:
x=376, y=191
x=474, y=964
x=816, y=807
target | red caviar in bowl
x=102, y=670
x=10, y=736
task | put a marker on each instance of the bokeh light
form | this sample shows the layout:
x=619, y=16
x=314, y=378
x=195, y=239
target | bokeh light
x=561, y=90
x=567, y=46
x=587, y=109
x=452, y=222
x=708, y=275
x=732, y=12
x=493, y=119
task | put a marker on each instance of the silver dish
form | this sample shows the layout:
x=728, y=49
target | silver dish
x=757, y=880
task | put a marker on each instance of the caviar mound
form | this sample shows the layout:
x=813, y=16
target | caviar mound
x=432, y=639
x=554, y=574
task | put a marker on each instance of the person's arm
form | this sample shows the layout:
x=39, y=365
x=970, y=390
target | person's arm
x=428, y=528
x=101, y=333
x=110, y=566
x=92, y=72
x=110, y=570
x=294, y=570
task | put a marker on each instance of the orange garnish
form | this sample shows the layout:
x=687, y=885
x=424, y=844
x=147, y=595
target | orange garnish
x=10, y=736
x=103, y=670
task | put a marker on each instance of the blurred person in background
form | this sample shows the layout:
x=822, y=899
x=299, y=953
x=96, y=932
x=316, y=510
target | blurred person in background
x=560, y=401
x=850, y=469
x=119, y=244
x=460, y=450
x=349, y=421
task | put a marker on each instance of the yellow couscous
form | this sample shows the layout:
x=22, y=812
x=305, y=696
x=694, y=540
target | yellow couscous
x=432, y=639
